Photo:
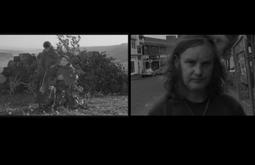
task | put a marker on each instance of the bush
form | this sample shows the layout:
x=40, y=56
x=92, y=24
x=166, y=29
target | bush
x=19, y=71
x=101, y=74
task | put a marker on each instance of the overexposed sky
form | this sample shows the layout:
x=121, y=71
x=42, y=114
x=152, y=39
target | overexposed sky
x=36, y=41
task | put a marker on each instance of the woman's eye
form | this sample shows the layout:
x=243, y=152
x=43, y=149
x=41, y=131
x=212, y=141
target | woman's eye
x=191, y=62
x=207, y=63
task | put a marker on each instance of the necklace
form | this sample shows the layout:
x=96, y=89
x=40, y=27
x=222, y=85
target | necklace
x=205, y=110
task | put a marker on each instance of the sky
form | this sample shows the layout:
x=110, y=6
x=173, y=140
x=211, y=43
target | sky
x=36, y=41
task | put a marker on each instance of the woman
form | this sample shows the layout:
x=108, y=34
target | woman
x=195, y=79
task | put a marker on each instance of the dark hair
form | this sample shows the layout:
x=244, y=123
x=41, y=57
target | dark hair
x=218, y=78
x=46, y=44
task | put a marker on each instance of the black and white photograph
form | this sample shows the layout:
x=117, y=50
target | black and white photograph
x=66, y=75
x=192, y=75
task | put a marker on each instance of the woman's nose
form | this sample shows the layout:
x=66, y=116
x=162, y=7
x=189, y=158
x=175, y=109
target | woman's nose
x=198, y=70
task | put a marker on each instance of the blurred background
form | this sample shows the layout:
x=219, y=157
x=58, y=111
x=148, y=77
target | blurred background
x=149, y=55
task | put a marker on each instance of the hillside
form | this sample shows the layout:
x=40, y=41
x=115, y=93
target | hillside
x=7, y=54
x=119, y=52
x=4, y=58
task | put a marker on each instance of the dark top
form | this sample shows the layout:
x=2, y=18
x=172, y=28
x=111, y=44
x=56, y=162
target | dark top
x=221, y=105
x=198, y=109
x=47, y=59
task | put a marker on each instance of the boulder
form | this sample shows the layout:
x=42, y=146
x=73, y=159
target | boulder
x=2, y=78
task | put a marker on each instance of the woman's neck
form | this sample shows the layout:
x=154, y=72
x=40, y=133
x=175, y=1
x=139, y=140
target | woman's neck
x=196, y=96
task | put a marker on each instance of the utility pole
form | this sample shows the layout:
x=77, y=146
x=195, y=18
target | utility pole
x=249, y=71
x=252, y=44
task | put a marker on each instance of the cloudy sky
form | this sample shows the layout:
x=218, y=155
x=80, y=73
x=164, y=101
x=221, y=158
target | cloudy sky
x=36, y=41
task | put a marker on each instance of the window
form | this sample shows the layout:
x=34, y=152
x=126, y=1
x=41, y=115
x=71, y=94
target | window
x=140, y=37
x=147, y=65
x=145, y=49
x=132, y=67
x=133, y=44
x=155, y=65
x=162, y=50
x=139, y=50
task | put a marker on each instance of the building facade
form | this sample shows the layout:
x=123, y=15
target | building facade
x=243, y=52
x=149, y=53
x=136, y=54
x=156, y=52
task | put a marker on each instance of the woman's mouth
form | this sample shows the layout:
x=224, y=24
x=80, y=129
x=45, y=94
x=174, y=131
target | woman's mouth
x=198, y=80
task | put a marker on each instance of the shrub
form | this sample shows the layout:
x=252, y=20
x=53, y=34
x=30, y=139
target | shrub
x=101, y=74
x=98, y=74
x=19, y=71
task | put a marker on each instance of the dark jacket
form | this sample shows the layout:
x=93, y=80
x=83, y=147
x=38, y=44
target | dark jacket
x=47, y=59
x=221, y=105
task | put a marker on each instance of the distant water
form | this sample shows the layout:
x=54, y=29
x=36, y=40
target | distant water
x=4, y=59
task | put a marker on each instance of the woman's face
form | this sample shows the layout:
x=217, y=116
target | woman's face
x=196, y=66
x=63, y=62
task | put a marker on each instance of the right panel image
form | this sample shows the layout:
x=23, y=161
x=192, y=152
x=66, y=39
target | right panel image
x=192, y=75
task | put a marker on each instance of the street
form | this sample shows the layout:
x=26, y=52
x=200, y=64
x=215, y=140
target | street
x=145, y=92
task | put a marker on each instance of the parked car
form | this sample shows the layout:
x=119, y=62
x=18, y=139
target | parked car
x=148, y=72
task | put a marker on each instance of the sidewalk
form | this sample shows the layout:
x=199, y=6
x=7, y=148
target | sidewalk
x=135, y=77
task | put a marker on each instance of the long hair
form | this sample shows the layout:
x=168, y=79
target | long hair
x=216, y=84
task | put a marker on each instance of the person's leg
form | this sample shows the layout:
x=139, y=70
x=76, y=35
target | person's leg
x=60, y=93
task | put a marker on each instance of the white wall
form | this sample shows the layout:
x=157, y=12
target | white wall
x=135, y=60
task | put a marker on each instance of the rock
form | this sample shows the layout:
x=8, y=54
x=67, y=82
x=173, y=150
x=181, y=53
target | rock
x=2, y=79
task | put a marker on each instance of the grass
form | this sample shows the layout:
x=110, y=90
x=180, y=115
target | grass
x=24, y=105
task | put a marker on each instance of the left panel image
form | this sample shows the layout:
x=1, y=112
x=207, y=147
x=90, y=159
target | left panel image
x=64, y=75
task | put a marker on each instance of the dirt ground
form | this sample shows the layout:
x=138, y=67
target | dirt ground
x=23, y=105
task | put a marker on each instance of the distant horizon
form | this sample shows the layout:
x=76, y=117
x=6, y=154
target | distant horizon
x=19, y=48
x=36, y=41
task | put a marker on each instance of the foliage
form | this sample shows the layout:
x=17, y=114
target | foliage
x=68, y=45
x=93, y=71
x=101, y=74
x=19, y=72
x=97, y=73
